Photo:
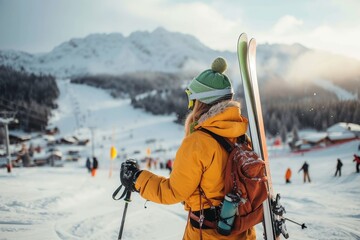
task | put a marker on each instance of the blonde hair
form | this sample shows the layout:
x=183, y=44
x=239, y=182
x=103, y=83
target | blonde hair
x=199, y=109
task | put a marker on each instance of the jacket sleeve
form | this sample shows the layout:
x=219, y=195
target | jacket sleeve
x=183, y=181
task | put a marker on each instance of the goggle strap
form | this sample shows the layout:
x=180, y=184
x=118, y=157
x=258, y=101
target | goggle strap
x=215, y=93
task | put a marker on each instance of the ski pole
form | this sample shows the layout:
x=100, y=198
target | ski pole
x=127, y=200
x=302, y=225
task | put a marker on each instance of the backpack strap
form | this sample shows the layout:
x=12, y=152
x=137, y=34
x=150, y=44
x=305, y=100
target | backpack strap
x=221, y=140
x=229, y=147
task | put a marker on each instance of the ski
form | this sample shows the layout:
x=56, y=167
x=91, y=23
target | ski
x=247, y=62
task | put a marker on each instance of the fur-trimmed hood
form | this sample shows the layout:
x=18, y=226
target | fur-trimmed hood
x=217, y=109
x=224, y=119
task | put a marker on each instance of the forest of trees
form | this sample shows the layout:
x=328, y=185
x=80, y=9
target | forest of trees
x=164, y=102
x=285, y=106
x=31, y=96
x=131, y=85
x=317, y=115
x=282, y=114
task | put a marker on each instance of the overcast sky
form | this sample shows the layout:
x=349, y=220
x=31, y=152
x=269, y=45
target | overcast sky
x=40, y=25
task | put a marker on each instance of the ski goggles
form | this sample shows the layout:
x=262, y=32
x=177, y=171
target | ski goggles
x=203, y=95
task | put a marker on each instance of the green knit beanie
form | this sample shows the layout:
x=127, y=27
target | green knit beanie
x=212, y=85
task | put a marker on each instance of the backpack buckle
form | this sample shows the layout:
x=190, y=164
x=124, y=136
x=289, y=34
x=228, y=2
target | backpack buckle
x=201, y=220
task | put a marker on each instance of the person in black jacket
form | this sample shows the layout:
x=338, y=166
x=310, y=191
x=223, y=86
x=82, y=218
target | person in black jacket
x=94, y=166
x=305, y=168
x=338, y=167
x=88, y=164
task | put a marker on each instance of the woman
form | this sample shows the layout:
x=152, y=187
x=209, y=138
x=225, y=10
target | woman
x=197, y=177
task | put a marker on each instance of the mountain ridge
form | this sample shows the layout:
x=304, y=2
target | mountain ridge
x=174, y=52
x=159, y=50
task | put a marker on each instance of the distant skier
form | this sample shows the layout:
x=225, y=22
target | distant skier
x=288, y=175
x=169, y=165
x=88, y=164
x=148, y=162
x=31, y=150
x=305, y=168
x=94, y=166
x=357, y=160
x=24, y=156
x=338, y=167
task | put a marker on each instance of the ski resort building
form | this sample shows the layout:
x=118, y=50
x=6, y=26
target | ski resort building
x=347, y=129
x=336, y=134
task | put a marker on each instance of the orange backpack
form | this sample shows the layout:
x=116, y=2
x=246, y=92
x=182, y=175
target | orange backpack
x=245, y=176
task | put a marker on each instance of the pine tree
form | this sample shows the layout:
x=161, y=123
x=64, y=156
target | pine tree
x=283, y=134
x=295, y=136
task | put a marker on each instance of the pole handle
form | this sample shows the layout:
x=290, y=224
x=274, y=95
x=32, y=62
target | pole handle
x=128, y=196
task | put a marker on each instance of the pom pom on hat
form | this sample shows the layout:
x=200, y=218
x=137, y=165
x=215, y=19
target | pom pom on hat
x=219, y=65
x=212, y=85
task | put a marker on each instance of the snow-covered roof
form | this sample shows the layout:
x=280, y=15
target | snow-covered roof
x=49, y=138
x=314, y=137
x=344, y=127
x=70, y=139
x=19, y=135
x=341, y=135
x=298, y=143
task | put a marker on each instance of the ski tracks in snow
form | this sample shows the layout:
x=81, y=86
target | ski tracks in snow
x=96, y=217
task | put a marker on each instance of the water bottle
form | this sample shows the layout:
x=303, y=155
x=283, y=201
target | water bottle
x=227, y=214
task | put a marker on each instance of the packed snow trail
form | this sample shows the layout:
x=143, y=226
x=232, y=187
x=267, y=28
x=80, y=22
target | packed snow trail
x=67, y=203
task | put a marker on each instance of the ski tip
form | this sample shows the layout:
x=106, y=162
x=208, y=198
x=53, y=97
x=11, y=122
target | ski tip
x=252, y=46
x=252, y=41
x=243, y=37
x=242, y=43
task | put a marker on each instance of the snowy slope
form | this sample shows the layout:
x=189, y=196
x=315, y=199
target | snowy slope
x=67, y=203
x=341, y=93
x=114, y=122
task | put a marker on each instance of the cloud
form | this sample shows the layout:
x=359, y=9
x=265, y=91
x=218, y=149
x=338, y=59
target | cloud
x=343, y=40
x=287, y=24
x=336, y=28
x=333, y=39
x=315, y=65
x=203, y=21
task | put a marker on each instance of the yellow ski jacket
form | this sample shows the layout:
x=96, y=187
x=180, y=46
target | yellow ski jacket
x=200, y=161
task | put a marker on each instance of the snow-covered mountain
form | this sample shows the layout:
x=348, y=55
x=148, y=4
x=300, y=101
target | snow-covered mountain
x=159, y=50
x=165, y=51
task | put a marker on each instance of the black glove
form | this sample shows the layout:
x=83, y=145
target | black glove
x=129, y=172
